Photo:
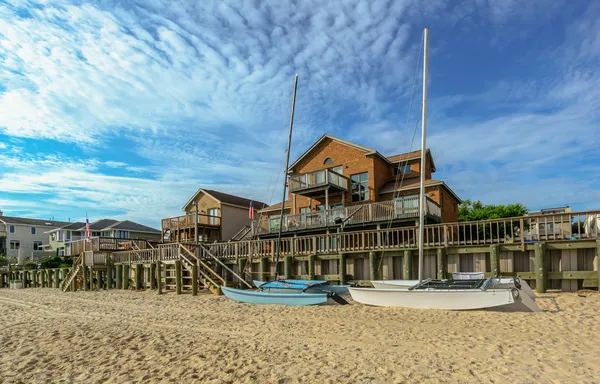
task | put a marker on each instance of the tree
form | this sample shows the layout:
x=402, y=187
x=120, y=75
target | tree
x=475, y=210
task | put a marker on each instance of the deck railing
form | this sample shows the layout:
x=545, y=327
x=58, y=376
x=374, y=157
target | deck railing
x=109, y=244
x=189, y=221
x=353, y=215
x=318, y=178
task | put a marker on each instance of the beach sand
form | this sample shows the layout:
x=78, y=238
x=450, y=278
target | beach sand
x=47, y=336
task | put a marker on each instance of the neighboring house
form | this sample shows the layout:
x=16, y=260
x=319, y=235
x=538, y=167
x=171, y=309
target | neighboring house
x=220, y=217
x=559, y=223
x=23, y=238
x=61, y=237
x=338, y=182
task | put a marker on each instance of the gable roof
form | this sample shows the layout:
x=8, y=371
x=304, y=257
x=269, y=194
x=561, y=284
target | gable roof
x=414, y=183
x=276, y=206
x=412, y=156
x=367, y=150
x=227, y=199
x=34, y=222
x=134, y=227
x=109, y=224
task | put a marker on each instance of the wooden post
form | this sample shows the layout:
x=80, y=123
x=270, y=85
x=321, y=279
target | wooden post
x=34, y=278
x=86, y=287
x=158, y=277
x=241, y=265
x=287, y=266
x=541, y=277
x=194, y=280
x=311, y=267
x=373, y=265
x=73, y=282
x=138, y=276
x=408, y=259
x=24, y=273
x=109, y=277
x=343, y=268
x=91, y=277
x=442, y=264
x=152, y=276
x=495, y=261
x=125, y=276
x=264, y=268
x=119, y=277
x=50, y=278
x=178, y=281
x=57, y=278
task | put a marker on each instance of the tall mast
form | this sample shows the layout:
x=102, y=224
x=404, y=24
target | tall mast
x=423, y=148
x=285, y=174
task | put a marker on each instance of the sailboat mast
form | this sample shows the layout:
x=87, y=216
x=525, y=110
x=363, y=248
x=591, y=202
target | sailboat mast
x=423, y=148
x=285, y=174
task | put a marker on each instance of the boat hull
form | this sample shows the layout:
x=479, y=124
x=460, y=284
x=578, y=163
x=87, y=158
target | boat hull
x=296, y=286
x=260, y=297
x=453, y=300
x=501, y=283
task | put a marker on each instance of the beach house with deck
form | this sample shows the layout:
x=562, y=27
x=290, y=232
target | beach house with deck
x=338, y=183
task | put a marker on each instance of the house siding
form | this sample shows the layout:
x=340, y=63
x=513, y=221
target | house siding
x=23, y=235
x=233, y=219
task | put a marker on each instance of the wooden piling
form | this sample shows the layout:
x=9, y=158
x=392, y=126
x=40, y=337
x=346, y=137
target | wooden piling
x=287, y=267
x=50, y=278
x=119, y=276
x=126, y=276
x=495, y=260
x=442, y=263
x=178, y=279
x=373, y=265
x=408, y=259
x=241, y=266
x=343, y=268
x=109, y=277
x=541, y=277
x=152, y=276
x=194, y=280
x=159, y=277
x=311, y=266
x=25, y=282
x=86, y=287
x=57, y=278
x=138, y=276
x=264, y=268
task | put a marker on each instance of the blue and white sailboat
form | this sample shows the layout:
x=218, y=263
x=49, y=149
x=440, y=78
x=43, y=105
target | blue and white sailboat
x=287, y=292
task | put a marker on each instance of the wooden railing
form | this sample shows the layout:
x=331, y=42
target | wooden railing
x=189, y=221
x=164, y=252
x=110, y=244
x=318, y=178
x=353, y=215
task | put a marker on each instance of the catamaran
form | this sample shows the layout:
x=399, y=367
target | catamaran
x=471, y=293
x=283, y=291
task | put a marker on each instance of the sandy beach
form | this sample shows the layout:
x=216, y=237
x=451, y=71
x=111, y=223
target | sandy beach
x=47, y=336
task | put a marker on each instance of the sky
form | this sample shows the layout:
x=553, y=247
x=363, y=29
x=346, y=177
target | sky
x=123, y=109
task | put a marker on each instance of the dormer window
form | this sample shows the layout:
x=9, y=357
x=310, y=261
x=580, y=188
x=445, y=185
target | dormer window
x=328, y=160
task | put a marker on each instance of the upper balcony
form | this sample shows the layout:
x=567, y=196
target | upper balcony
x=313, y=183
x=189, y=221
x=385, y=211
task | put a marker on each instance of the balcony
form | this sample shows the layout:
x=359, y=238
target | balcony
x=189, y=221
x=309, y=184
x=406, y=208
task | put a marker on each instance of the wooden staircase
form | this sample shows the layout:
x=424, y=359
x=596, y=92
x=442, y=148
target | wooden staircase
x=206, y=276
x=76, y=273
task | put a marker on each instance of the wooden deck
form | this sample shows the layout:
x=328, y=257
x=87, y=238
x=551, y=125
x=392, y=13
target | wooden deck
x=189, y=221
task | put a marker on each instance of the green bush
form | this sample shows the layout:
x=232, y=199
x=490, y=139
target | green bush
x=51, y=262
x=3, y=260
x=30, y=265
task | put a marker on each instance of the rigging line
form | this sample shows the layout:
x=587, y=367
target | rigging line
x=396, y=187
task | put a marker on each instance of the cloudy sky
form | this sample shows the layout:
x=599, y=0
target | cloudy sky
x=125, y=108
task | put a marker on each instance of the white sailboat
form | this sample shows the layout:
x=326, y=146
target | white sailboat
x=456, y=294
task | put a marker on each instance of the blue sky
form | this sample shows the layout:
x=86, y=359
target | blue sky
x=124, y=109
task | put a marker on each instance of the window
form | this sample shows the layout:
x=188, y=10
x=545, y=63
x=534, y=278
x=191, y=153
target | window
x=33, y=230
x=328, y=160
x=68, y=237
x=338, y=169
x=15, y=244
x=61, y=235
x=11, y=229
x=37, y=246
x=320, y=207
x=95, y=234
x=213, y=215
x=360, y=186
x=305, y=210
x=402, y=169
x=122, y=234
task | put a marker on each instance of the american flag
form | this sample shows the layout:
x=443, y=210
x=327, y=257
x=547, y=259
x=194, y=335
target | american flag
x=251, y=212
x=87, y=227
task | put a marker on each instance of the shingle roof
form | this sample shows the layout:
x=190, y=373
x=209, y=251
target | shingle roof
x=102, y=224
x=410, y=156
x=276, y=206
x=27, y=221
x=74, y=226
x=134, y=227
x=226, y=198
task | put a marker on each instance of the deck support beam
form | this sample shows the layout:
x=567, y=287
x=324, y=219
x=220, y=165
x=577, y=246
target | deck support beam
x=159, y=277
x=495, y=260
x=541, y=277
x=57, y=278
x=178, y=281
x=264, y=268
x=442, y=263
x=138, y=276
x=84, y=270
x=241, y=262
x=152, y=276
x=311, y=267
x=194, y=280
x=287, y=267
x=50, y=278
x=119, y=277
x=373, y=265
x=126, y=276
x=343, y=268
x=35, y=281
x=408, y=259
x=109, y=277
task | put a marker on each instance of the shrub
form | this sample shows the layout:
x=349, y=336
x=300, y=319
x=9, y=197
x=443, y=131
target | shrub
x=3, y=260
x=51, y=262
x=30, y=265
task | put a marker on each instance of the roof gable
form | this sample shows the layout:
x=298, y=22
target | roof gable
x=227, y=199
x=35, y=222
x=412, y=156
